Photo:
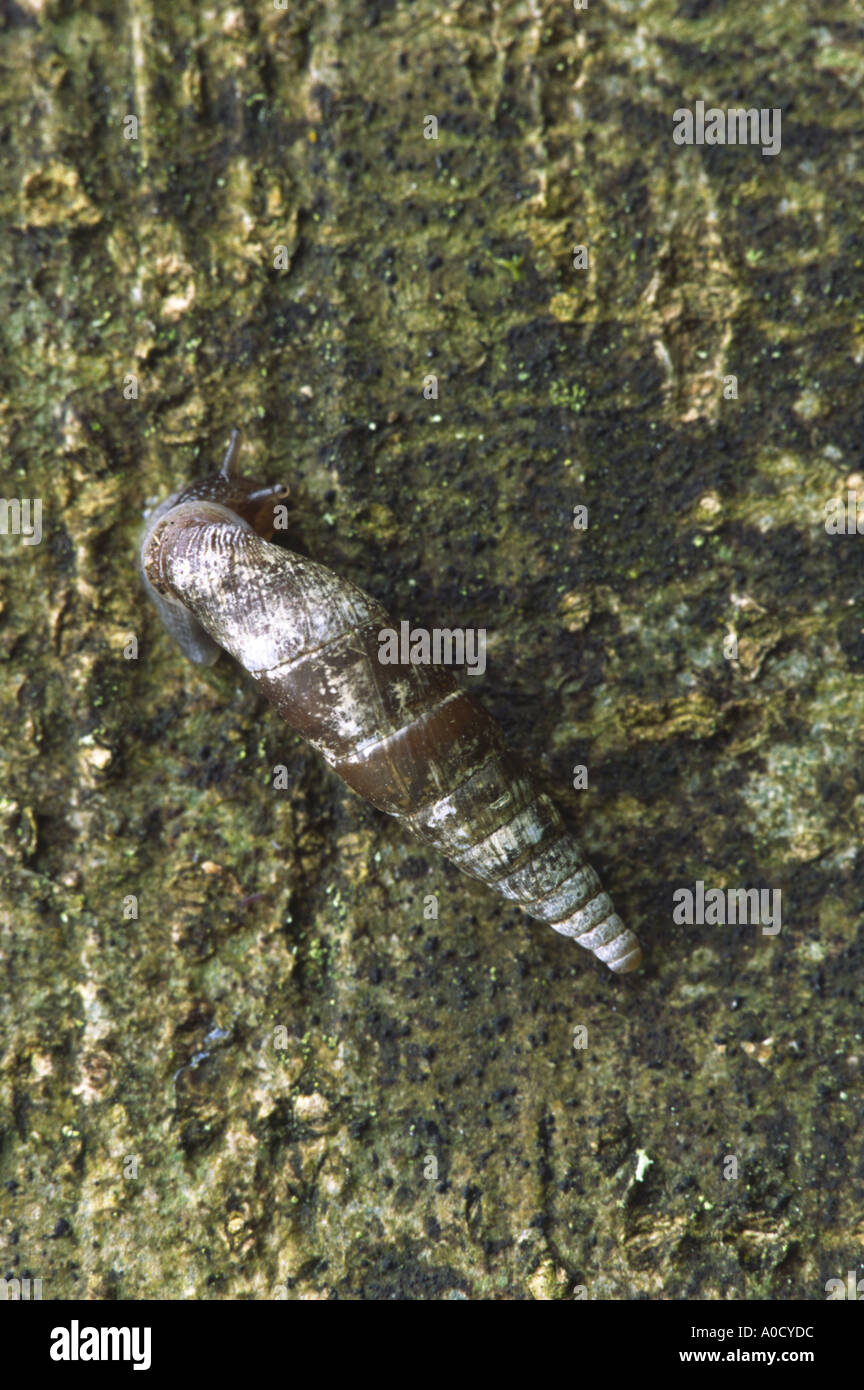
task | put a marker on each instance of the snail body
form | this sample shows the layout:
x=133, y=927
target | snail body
x=407, y=738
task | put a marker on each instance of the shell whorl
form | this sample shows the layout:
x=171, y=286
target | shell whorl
x=407, y=738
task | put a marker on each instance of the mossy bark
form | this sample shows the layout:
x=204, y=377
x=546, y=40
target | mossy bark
x=280, y=1078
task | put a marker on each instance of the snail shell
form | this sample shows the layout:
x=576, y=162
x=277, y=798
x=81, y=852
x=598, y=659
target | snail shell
x=406, y=738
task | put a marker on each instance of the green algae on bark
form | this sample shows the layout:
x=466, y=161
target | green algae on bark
x=238, y=1059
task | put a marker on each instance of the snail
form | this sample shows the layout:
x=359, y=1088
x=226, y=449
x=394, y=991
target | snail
x=407, y=738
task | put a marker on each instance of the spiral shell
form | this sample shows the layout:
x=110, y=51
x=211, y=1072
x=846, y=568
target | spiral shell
x=406, y=738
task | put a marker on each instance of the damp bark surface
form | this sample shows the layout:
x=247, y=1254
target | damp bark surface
x=240, y=1056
